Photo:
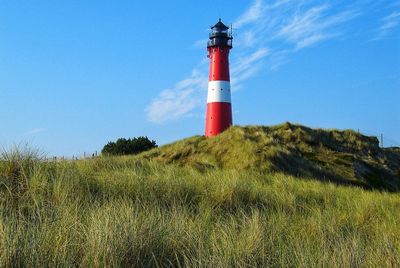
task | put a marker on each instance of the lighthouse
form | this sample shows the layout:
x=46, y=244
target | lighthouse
x=219, y=109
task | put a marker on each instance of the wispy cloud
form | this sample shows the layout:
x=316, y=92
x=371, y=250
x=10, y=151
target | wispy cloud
x=267, y=34
x=34, y=131
x=179, y=101
x=388, y=24
x=391, y=21
x=313, y=26
x=253, y=14
x=246, y=67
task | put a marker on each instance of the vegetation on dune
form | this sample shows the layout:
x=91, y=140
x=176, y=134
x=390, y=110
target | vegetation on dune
x=344, y=157
x=120, y=211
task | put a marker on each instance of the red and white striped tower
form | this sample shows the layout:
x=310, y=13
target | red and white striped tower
x=219, y=110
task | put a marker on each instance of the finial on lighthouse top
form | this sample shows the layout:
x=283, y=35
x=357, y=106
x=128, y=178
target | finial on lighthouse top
x=220, y=25
x=219, y=35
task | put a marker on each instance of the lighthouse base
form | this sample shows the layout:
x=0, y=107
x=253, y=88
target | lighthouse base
x=218, y=118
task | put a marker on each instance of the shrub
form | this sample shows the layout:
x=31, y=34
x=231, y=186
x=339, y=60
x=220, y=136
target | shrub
x=128, y=146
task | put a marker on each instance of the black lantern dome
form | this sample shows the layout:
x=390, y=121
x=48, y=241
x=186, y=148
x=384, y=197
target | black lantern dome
x=220, y=36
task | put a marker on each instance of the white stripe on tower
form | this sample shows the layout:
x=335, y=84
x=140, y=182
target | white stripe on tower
x=219, y=91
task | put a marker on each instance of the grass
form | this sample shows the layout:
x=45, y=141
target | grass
x=344, y=157
x=125, y=211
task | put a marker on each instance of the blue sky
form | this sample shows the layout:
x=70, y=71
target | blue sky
x=76, y=74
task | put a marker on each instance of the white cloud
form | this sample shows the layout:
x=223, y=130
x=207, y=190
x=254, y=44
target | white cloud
x=34, y=131
x=388, y=23
x=179, y=101
x=248, y=38
x=391, y=21
x=313, y=26
x=308, y=41
x=287, y=27
x=246, y=66
x=200, y=43
x=254, y=12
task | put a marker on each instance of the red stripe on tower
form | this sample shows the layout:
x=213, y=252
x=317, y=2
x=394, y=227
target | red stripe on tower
x=219, y=110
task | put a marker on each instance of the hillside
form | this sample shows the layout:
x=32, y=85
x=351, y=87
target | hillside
x=125, y=212
x=344, y=157
x=130, y=212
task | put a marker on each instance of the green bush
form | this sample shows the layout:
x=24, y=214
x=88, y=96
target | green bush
x=128, y=146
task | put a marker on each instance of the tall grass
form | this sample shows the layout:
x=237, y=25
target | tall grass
x=121, y=211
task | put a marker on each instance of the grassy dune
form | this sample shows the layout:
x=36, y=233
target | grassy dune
x=345, y=157
x=126, y=211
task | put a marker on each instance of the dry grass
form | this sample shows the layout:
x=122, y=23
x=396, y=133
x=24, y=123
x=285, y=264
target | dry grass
x=127, y=212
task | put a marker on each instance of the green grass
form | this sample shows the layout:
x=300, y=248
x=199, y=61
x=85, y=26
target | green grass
x=344, y=157
x=125, y=211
